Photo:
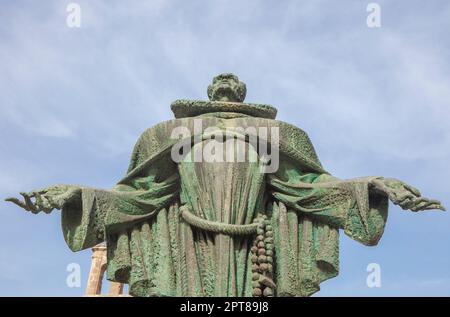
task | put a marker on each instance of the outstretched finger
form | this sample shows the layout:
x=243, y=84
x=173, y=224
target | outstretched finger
x=436, y=207
x=404, y=198
x=413, y=203
x=434, y=201
x=407, y=203
x=420, y=206
x=30, y=204
x=425, y=203
x=18, y=202
x=413, y=190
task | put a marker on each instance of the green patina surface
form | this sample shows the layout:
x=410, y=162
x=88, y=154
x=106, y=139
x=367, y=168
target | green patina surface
x=224, y=228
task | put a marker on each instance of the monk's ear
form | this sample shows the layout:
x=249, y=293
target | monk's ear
x=242, y=91
x=210, y=92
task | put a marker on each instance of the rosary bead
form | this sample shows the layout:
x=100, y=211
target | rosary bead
x=268, y=292
x=264, y=267
x=257, y=292
x=262, y=259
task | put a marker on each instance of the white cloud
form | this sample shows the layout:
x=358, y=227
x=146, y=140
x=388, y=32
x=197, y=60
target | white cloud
x=367, y=97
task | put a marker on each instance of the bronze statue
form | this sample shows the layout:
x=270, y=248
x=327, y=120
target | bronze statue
x=221, y=224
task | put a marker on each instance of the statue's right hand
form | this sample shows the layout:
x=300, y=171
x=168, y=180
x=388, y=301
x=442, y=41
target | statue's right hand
x=47, y=199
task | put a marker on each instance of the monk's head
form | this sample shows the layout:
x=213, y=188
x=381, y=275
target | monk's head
x=227, y=87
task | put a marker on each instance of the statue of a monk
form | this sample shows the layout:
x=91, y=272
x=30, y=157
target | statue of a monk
x=202, y=227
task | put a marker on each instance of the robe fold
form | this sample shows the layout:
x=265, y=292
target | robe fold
x=155, y=250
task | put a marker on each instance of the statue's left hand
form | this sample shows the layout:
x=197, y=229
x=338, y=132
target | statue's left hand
x=404, y=195
x=47, y=199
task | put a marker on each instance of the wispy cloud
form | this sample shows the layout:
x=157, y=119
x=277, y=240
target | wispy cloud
x=74, y=101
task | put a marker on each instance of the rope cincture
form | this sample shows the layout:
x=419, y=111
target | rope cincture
x=217, y=227
x=262, y=250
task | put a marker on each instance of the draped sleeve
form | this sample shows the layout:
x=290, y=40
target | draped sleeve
x=350, y=205
x=151, y=184
x=309, y=209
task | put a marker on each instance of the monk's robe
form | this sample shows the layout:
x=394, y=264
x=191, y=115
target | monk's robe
x=187, y=228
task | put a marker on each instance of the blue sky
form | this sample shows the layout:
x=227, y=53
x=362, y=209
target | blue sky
x=375, y=101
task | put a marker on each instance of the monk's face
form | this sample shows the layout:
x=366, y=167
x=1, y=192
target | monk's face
x=226, y=87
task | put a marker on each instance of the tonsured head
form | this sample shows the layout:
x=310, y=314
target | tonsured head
x=227, y=87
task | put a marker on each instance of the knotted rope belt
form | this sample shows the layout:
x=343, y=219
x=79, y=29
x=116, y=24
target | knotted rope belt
x=262, y=249
x=217, y=227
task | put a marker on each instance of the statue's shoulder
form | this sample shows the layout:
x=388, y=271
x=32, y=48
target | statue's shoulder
x=154, y=139
x=298, y=145
x=294, y=143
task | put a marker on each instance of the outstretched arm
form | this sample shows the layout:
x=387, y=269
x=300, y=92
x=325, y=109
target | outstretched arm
x=47, y=199
x=88, y=213
x=359, y=206
x=404, y=195
x=82, y=220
